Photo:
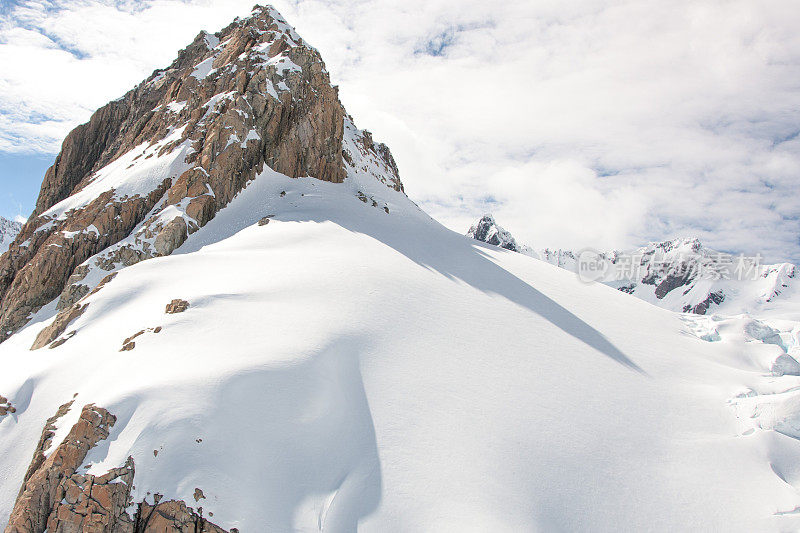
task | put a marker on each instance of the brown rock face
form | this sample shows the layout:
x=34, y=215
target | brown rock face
x=171, y=236
x=94, y=503
x=38, y=264
x=51, y=333
x=254, y=94
x=46, y=482
x=173, y=516
x=58, y=326
x=57, y=499
x=84, y=147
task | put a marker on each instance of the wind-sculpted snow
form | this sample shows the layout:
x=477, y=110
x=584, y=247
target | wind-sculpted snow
x=454, y=258
x=345, y=367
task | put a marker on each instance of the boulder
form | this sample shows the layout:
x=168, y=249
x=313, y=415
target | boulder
x=177, y=306
x=171, y=236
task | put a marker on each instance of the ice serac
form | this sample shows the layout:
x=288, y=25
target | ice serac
x=152, y=167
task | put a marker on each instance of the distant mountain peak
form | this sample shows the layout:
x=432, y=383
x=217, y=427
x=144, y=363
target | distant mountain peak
x=692, y=244
x=487, y=230
x=679, y=274
x=9, y=229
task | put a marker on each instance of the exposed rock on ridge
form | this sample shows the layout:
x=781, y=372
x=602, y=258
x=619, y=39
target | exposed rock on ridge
x=54, y=497
x=152, y=167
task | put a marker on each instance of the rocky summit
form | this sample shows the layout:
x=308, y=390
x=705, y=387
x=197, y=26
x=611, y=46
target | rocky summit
x=152, y=167
x=147, y=171
x=488, y=231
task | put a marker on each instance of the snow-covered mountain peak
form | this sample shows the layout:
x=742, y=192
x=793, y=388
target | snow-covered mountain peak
x=266, y=18
x=269, y=40
x=679, y=274
x=678, y=245
x=156, y=165
x=9, y=229
x=226, y=316
x=487, y=230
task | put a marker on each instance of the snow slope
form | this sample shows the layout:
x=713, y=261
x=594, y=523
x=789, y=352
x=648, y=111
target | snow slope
x=344, y=367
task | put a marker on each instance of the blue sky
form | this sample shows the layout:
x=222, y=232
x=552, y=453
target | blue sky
x=21, y=176
x=599, y=123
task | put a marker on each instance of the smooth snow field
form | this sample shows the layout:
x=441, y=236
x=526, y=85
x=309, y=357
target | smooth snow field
x=351, y=369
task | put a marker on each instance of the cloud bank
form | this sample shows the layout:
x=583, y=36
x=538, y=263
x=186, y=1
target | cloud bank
x=597, y=123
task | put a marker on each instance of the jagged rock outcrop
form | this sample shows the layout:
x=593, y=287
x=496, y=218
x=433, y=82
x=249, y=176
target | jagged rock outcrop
x=56, y=498
x=45, y=483
x=172, y=516
x=488, y=231
x=51, y=332
x=716, y=297
x=58, y=326
x=151, y=168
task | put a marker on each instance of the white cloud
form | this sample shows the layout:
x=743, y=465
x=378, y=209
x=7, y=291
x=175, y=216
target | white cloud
x=602, y=123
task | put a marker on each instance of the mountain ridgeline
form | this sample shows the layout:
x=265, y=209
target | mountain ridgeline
x=155, y=165
x=147, y=171
x=225, y=316
x=680, y=274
